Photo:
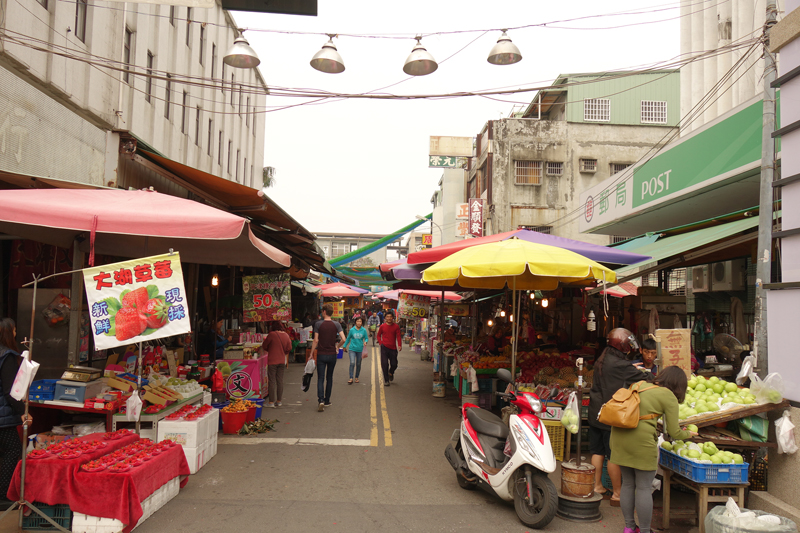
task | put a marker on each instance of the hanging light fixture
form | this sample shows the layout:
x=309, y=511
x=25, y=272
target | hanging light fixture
x=215, y=281
x=503, y=312
x=490, y=323
x=591, y=325
x=328, y=59
x=504, y=52
x=240, y=55
x=419, y=61
x=545, y=302
x=533, y=295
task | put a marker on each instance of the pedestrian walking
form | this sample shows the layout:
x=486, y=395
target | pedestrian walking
x=220, y=341
x=391, y=343
x=613, y=370
x=356, y=340
x=635, y=450
x=372, y=324
x=12, y=411
x=277, y=345
x=328, y=337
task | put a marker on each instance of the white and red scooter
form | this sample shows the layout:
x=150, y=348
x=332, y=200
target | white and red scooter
x=511, y=461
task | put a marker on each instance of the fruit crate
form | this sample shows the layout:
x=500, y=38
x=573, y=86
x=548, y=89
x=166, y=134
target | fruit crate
x=486, y=385
x=556, y=433
x=485, y=400
x=60, y=514
x=703, y=473
x=42, y=390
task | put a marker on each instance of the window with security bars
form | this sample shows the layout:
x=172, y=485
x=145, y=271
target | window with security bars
x=588, y=165
x=654, y=112
x=547, y=230
x=618, y=238
x=597, y=109
x=555, y=169
x=528, y=172
x=339, y=248
x=676, y=282
x=617, y=167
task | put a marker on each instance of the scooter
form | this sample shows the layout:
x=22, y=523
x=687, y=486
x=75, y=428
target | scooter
x=511, y=461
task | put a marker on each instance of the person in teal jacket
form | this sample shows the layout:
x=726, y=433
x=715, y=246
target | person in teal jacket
x=354, y=343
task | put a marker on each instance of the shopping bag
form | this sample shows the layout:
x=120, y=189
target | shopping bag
x=768, y=390
x=133, y=407
x=25, y=374
x=308, y=374
x=364, y=352
x=572, y=415
x=784, y=432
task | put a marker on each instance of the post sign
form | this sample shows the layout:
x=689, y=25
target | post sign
x=138, y=300
x=462, y=228
x=451, y=146
x=439, y=161
x=413, y=306
x=476, y=217
x=456, y=310
x=427, y=240
x=676, y=349
x=266, y=297
x=462, y=211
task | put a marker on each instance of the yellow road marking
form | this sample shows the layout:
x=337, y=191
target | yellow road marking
x=373, y=410
x=387, y=430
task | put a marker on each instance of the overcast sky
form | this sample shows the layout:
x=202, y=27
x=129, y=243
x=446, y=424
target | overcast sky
x=361, y=165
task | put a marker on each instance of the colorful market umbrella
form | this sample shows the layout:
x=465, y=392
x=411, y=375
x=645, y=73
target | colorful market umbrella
x=359, y=290
x=339, y=290
x=434, y=295
x=519, y=265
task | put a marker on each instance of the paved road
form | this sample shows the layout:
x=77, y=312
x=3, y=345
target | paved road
x=372, y=462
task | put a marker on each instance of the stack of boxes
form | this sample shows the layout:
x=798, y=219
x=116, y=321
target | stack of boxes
x=197, y=437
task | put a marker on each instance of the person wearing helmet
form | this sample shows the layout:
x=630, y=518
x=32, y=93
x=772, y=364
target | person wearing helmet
x=613, y=370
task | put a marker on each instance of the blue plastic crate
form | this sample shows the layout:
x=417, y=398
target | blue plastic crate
x=703, y=473
x=485, y=385
x=60, y=514
x=42, y=390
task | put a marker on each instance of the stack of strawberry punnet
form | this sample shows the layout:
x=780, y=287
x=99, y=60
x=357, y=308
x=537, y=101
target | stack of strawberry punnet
x=196, y=430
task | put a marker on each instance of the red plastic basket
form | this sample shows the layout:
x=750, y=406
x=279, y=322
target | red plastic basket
x=233, y=422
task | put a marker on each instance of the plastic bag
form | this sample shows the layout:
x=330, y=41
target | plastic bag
x=768, y=390
x=308, y=373
x=784, y=433
x=571, y=418
x=87, y=429
x=57, y=311
x=133, y=407
x=748, y=365
x=724, y=519
x=25, y=374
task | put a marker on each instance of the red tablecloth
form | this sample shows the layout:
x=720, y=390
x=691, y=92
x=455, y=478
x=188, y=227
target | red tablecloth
x=102, y=494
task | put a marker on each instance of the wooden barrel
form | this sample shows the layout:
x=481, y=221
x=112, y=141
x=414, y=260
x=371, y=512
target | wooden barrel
x=577, y=482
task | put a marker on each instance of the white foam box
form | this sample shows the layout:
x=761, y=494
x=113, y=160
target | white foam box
x=195, y=457
x=202, y=428
x=206, y=398
x=213, y=444
x=213, y=423
x=183, y=432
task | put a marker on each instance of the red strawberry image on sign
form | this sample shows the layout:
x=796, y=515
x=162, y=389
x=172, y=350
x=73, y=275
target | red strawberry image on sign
x=137, y=298
x=156, y=312
x=130, y=322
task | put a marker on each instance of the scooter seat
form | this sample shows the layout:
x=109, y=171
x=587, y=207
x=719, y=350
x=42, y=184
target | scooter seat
x=487, y=423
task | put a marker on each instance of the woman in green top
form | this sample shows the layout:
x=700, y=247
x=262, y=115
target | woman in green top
x=636, y=450
x=356, y=338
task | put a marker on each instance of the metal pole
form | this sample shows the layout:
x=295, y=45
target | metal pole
x=764, y=256
x=25, y=425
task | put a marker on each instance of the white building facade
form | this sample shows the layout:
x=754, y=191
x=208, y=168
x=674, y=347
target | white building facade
x=79, y=78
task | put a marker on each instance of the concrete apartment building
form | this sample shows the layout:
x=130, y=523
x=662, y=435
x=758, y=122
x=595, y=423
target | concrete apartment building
x=338, y=244
x=86, y=86
x=445, y=227
x=530, y=169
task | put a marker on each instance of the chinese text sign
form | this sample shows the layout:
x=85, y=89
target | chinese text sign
x=476, y=217
x=267, y=297
x=676, y=349
x=138, y=300
x=413, y=306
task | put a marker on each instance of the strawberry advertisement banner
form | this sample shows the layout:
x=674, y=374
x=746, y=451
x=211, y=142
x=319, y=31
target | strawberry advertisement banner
x=138, y=300
x=267, y=297
x=413, y=306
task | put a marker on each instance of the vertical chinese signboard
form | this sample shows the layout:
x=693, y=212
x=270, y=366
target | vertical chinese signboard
x=137, y=300
x=413, y=306
x=267, y=297
x=676, y=349
x=427, y=240
x=338, y=309
x=476, y=217
x=354, y=302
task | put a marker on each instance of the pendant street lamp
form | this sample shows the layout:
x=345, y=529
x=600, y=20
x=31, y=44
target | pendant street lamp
x=240, y=55
x=419, y=61
x=504, y=52
x=328, y=59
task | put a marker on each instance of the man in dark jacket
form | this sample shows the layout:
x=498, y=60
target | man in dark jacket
x=613, y=370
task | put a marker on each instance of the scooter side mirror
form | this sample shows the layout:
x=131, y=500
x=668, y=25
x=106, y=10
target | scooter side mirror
x=504, y=374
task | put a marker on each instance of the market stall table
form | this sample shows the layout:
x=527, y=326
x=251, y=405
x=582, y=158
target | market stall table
x=720, y=492
x=149, y=422
x=74, y=407
x=103, y=494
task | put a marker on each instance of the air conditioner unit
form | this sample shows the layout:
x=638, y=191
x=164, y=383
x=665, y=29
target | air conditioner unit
x=700, y=278
x=729, y=275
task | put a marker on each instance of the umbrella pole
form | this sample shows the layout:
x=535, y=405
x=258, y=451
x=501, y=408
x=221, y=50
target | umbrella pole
x=513, y=335
x=138, y=387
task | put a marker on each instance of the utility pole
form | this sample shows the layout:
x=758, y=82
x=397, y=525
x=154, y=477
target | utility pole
x=764, y=256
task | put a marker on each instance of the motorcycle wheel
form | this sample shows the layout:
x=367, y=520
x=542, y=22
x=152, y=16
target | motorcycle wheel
x=540, y=511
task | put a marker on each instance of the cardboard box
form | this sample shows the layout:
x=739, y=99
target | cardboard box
x=552, y=413
x=121, y=384
x=100, y=403
x=46, y=438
